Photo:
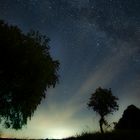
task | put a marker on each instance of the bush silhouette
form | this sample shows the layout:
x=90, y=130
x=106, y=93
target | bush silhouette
x=130, y=119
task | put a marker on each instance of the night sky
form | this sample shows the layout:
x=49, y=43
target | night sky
x=97, y=43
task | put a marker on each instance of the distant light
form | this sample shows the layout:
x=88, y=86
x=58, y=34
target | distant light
x=60, y=133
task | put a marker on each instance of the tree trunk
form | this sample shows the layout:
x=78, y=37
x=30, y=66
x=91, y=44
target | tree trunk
x=101, y=124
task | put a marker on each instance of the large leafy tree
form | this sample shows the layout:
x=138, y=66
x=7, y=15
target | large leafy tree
x=27, y=70
x=103, y=102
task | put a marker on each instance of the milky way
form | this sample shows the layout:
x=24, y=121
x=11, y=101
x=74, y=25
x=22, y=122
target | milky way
x=97, y=43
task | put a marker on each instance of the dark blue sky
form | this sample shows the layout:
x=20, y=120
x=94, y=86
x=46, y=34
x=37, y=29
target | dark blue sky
x=97, y=43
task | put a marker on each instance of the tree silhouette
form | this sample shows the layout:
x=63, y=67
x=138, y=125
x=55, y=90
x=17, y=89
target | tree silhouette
x=26, y=71
x=103, y=102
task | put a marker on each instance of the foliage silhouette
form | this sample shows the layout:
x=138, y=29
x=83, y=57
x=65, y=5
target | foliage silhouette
x=130, y=119
x=103, y=102
x=27, y=70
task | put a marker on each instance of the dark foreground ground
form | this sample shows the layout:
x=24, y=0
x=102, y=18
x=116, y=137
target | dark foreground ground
x=115, y=135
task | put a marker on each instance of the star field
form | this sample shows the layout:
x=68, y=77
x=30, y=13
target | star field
x=97, y=43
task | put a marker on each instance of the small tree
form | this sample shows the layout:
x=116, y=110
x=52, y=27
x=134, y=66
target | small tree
x=103, y=102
